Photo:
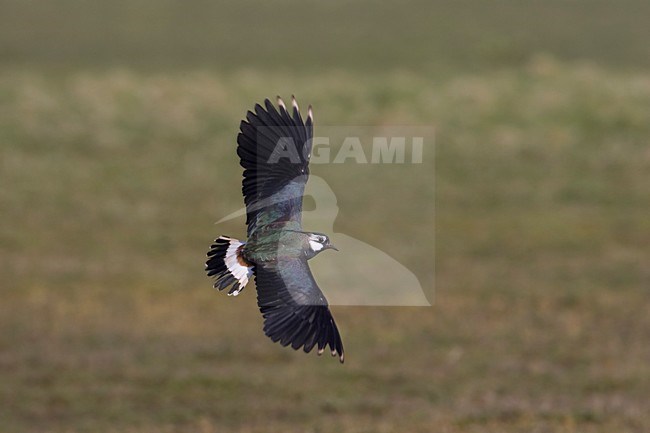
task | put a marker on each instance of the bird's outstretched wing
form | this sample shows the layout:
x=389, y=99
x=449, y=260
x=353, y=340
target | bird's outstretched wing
x=295, y=310
x=274, y=147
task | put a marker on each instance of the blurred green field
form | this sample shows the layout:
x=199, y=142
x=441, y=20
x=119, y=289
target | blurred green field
x=445, y=36
x=117, y=154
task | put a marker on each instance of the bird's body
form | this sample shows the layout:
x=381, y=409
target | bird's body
x=274, y=149
x=282, y=240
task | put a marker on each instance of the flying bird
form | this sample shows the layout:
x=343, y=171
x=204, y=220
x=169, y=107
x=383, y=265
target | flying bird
x=274, y=146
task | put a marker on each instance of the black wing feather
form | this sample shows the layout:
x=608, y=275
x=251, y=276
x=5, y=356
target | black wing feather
x=273, y=190
x=295, y=310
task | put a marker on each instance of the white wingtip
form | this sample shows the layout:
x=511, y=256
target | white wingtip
x=294, y=103
x=281, y=103
x=310, y=114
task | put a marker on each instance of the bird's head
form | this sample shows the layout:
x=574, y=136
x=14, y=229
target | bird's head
x=319, y=242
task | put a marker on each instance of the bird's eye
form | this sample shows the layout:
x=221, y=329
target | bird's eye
x=321, y=239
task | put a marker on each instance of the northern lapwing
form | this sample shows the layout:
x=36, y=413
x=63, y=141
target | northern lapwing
x=274, y=147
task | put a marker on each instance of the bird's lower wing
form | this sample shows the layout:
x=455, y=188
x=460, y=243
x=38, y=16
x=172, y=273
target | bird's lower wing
x=295, y=310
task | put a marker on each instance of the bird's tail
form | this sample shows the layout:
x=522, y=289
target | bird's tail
x=226, y=264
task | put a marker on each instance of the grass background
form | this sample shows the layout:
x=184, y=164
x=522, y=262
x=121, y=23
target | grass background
x=117, y=127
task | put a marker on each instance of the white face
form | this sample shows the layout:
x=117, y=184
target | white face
x=317, y=242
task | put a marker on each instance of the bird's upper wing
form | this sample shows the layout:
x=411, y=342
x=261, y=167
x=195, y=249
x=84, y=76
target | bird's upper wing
x=295, y=310
x=274, y=148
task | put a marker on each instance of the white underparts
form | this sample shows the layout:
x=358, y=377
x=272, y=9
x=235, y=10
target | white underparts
x=240, y=272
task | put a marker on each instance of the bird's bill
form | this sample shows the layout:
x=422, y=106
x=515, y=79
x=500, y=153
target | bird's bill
x=331, y=247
